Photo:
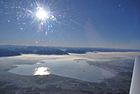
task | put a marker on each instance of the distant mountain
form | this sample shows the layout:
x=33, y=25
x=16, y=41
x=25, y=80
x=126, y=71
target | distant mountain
x=13, y=50
x=6, y=52
x=85, y=50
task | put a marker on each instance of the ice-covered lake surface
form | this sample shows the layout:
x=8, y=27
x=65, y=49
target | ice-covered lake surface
x=78, y=66
x=79, y=69
x=67, y=73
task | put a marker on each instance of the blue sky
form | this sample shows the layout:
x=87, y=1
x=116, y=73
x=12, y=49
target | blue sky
x=80, y=23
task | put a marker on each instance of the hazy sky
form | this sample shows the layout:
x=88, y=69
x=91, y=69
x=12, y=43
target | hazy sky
x=78, y=23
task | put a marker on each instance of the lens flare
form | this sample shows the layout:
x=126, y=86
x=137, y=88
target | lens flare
x=42, y=14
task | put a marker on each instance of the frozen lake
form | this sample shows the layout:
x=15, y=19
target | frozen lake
x=67, y=68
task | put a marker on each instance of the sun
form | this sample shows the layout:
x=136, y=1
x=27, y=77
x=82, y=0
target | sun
x=42, y=14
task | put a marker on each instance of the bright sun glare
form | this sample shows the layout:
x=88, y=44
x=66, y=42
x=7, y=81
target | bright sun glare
x=42, y=14
x=41, y=71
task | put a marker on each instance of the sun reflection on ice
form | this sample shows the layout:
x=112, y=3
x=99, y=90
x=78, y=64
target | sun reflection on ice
x=41, y=71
